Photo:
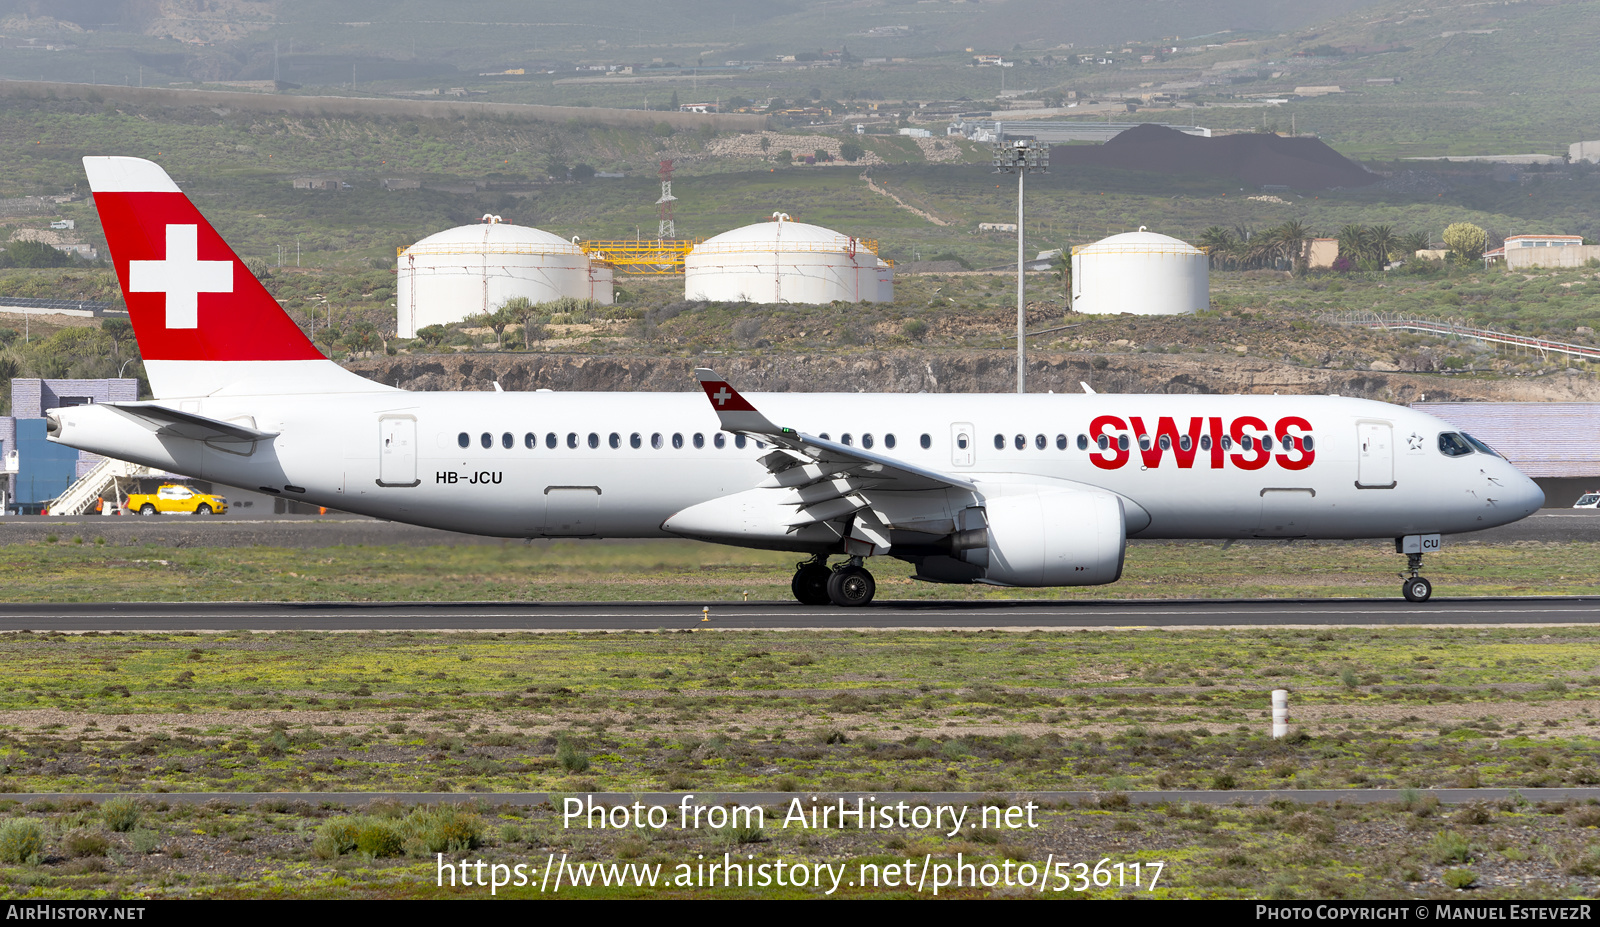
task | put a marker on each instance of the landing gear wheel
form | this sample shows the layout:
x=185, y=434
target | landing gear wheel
x=851, y=587
x=147, y=509
x=810, y=584
x=1417, y=589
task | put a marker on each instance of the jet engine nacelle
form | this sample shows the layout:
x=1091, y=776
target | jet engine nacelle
x=1046, y=538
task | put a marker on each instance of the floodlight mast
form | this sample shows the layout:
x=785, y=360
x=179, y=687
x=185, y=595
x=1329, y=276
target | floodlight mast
x=1014, y=154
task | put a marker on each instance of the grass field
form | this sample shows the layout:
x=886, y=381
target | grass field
x=803, y=713
x=807, y=713
x=80, y=568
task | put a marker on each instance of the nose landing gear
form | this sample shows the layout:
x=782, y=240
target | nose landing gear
x=848, y=585
x=1416, y=588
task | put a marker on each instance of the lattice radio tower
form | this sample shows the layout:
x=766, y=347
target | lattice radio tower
x=664, y=205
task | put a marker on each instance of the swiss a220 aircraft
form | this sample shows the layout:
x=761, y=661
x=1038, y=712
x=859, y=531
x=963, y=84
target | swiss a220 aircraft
x=1011, y=490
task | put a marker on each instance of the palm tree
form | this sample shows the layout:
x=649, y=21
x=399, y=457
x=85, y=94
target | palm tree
x=1294, y=242
x=1355, y=242
x=1383, y=241
x=1412, y=242
x=1219, y=243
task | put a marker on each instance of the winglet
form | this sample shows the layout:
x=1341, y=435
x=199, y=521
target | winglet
x=734, y=411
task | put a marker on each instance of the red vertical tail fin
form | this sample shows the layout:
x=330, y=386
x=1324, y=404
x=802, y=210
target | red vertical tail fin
x=205, y=324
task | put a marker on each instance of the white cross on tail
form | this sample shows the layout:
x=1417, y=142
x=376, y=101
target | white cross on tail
x=722, y=396
x=182, y=276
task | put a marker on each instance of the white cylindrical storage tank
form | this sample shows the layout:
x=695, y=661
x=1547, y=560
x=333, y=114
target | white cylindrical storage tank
x=782, y=261
x=475, y=268
x=885, y=281
x=1140, y=272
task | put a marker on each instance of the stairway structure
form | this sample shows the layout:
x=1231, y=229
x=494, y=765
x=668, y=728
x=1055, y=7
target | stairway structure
x=82, y=495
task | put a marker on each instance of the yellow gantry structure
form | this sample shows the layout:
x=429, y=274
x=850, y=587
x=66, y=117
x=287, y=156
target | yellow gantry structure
x=641, y=256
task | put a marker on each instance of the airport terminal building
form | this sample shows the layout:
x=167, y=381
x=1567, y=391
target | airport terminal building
x=33, y=470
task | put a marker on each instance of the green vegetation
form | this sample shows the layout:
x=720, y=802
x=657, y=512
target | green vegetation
x=1284, y=851
x=89, y=351
x=686, y=571
x=21, y=841
x=800, y=712
x=679, y=710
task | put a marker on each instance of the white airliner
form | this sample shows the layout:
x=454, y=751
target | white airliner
x=1013, y=490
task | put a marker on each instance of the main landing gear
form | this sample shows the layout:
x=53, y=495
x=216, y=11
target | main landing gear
x=847, y=585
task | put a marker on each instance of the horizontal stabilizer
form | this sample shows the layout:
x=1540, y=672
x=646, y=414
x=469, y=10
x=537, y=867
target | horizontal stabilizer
x=167, y=421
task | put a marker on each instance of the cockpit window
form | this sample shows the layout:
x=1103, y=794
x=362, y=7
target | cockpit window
x=1482, y=448
x=1453, y=445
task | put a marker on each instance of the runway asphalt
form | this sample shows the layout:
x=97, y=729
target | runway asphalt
x=890, y=615
x=1551, y=525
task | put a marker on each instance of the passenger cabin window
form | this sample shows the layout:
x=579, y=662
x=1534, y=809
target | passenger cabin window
x=464, y=439
x=594, y=440
x=699, y=440
x=738, y=441
x=530, y=440
x=1102, y=442
x=507, y=441
x=1144, y=442
x=1205, y=442
x=1083, y=442
x=866, y=440
x=720, y=440
x=1021, y=441
x=615, y=440
x=961, y=441
x=926, y=442
x=888, y=440
x=845, y=439
x=1453, y=445
x=1185, y=443
x=486, y=439
x=655, y=440
x=1165, y=442
x=1122, y=442
x=999, y=442
x=677, y=440
x=634, y=441
x=572, y=439
x=550, y=440
x=1307, y=443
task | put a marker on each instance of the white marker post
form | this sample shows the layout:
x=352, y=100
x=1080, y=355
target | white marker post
x=1280, y=713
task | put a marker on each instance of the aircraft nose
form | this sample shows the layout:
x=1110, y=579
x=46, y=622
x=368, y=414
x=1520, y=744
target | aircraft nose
x=1532, y=497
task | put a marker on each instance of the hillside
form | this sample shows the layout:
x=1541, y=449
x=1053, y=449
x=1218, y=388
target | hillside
x=912, y=371
x=1258, y=160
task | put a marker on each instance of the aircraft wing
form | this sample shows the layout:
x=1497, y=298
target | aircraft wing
x=163, y=420
x=800, y=460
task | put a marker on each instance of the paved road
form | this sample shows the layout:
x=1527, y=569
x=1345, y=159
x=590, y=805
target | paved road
x=1564, y=525
x=616, y=616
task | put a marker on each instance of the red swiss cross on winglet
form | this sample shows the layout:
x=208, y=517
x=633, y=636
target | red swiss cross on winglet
x=733, y=410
